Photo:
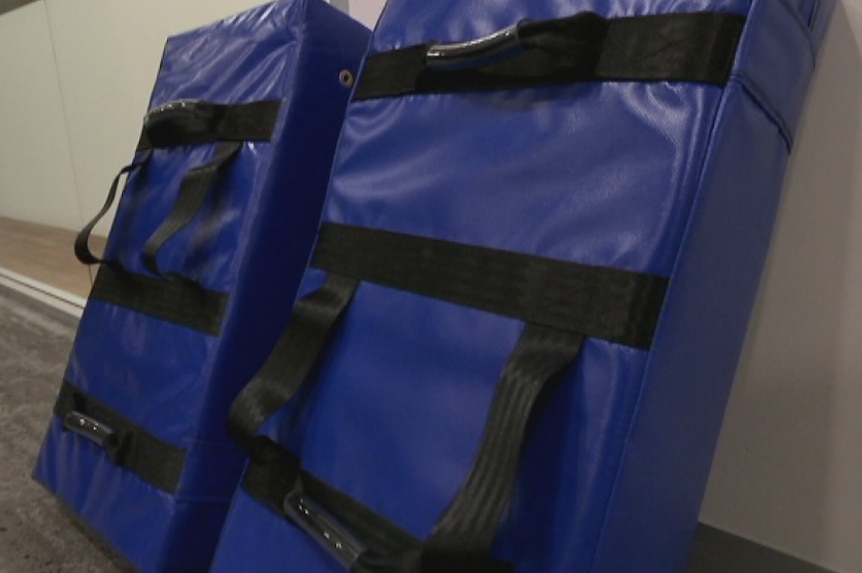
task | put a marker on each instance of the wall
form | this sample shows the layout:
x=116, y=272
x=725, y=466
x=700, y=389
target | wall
x=108, y=54
x=36, y=173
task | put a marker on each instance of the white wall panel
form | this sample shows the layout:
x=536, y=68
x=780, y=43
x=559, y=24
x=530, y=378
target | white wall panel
x=36, y=178
x=366, y=11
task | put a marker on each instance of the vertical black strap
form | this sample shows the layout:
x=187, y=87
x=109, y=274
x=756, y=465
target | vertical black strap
x=300, y=347
x=82, y=241
x=470, y=524
x=193, y=192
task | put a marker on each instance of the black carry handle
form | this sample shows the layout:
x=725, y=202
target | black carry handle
x=193, y=192
x=82, y=241
x=528, y=48
x=188, y=122
x=475, y=53
x=97, y=432
x=90, y=428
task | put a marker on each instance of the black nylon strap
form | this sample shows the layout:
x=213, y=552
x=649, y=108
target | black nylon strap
x=470, y=524
x=615, y=305
x=693, y=47
x=82, y=241
x=193, y=191
x=153, y=460
x=297, y=351
x=188, y=122
x=180, y=302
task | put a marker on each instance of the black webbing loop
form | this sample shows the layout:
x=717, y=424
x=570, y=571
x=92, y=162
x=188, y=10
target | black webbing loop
x=193, y=191
x=470, y=524
x=82, y=241
x=299, y=348
x=692, y=47
x=462, y=540
x=153, y=460
x=190, y=122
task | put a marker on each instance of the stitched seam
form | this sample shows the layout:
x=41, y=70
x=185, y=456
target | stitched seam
x=759, y=97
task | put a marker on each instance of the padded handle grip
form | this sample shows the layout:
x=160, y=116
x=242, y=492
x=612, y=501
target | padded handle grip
x=91, y=429
x=318, y=524
x=475, y=53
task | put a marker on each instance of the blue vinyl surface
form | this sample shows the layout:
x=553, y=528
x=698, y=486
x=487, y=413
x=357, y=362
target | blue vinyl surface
x=676, y=179
x=251, y=242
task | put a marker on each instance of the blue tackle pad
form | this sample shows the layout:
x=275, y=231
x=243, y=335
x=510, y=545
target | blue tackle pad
x=539, y=253
x=201, y=269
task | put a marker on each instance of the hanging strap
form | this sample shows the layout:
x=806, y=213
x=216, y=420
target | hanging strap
x=297, y=351
x=190, y=200
x=128, y=446
x=82, y=241
x=561, y=302
x=469, y=526
x=188, y=122
x=693, y=47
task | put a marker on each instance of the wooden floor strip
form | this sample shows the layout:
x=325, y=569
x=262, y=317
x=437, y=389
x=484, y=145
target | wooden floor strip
x=45, y=254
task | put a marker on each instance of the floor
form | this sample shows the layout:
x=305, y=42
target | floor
x=45, y=254
x=38, y=535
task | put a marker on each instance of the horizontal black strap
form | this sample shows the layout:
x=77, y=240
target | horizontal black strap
x=153, y=460
x=688, y=47
x=189, y=122
x=180, y=302
x=611, y=304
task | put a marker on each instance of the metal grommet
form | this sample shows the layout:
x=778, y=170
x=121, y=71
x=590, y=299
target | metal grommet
x=346, y=78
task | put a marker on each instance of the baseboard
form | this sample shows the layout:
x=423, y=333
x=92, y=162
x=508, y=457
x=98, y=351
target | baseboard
x=44, y=293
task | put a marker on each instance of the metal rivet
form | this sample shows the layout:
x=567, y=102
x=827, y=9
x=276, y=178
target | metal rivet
x=346, y=78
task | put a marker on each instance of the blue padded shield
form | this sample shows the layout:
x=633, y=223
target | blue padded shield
x=607, y=153
x=138, y=446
